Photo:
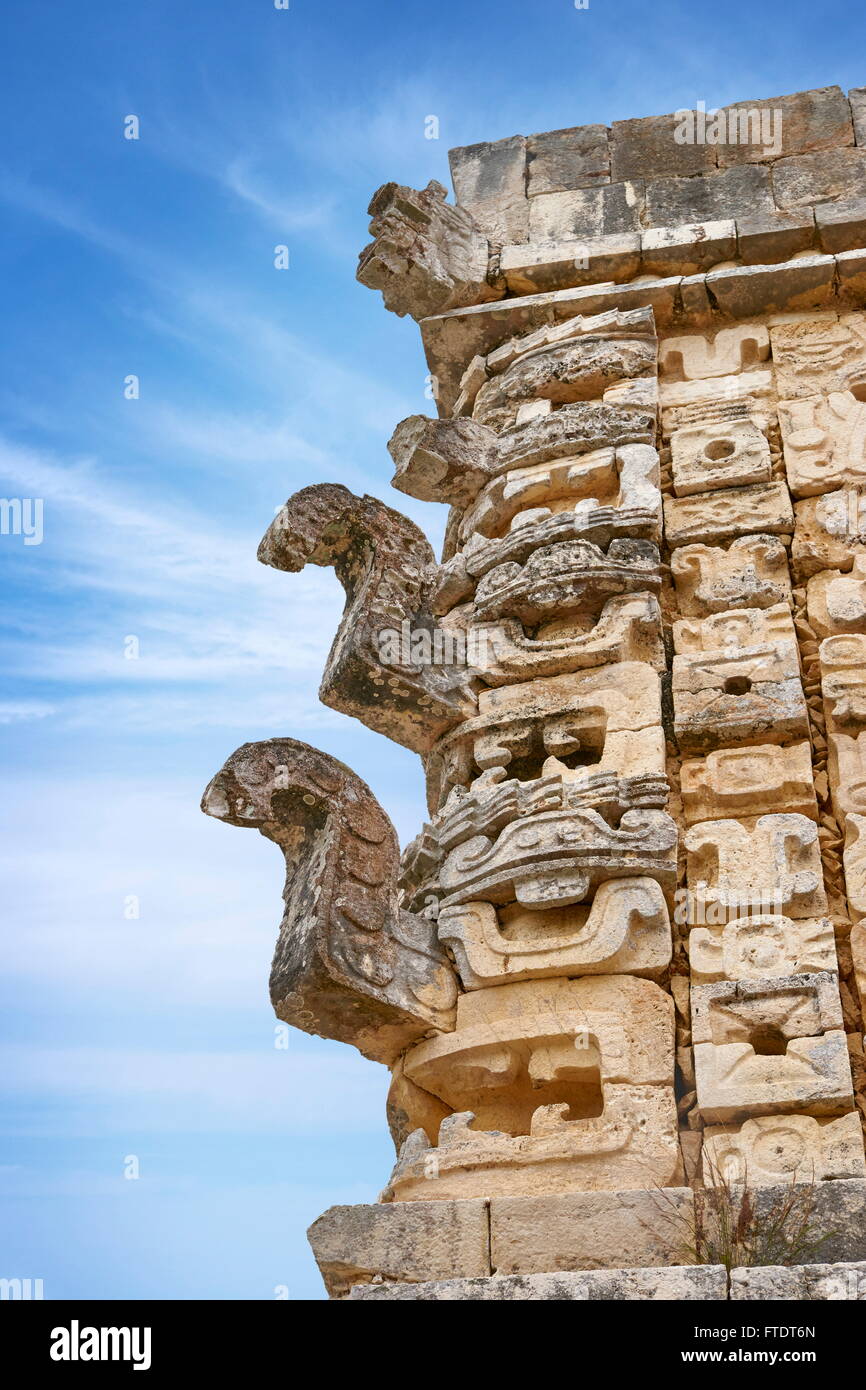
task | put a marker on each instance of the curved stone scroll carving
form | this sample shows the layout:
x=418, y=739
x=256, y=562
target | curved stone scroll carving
x=350, y=964
x=376, y=671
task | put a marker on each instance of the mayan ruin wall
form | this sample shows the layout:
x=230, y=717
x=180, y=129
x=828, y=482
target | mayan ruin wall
x=622, y=963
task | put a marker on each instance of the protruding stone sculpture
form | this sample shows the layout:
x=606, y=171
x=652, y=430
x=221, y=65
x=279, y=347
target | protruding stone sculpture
x=627, y=951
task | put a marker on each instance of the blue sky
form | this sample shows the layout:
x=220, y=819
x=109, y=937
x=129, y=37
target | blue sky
x=153, y=1036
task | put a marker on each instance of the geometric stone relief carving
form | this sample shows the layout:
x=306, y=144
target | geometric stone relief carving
x=816, y=356
x=624, y=930
x=751, y=573
x=599, y=496
x=765, y=1013
x=751, y=781
x=628, y=628
x=854, y=859
x=720, y=516
x=591, y=717
x=719, y=401
x=350, y=963
x=552, y=1082
x=830, y=531
x=692, y=357
x=824, y=442
x=777, y=1149
x=843, y=682
x=705, y=457
x=846, y=765
x=773, y=865
x=736, y=680
x=813, y=1075
x=755, y=947
x=836, y=602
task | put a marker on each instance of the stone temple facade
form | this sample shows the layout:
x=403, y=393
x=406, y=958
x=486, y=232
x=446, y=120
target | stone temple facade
x=623, y=961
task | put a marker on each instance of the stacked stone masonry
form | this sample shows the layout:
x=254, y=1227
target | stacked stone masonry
x=624, y=959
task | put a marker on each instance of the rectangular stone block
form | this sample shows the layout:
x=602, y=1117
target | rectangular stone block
x=558, y=160
x=766, y=238
x=800, y=1283
x=720, y=516
x=760, y=945
x=647, y=147
x=746, y=290
x=705, y=458
x=405, y=1241
x=585, y=213
x=676, y=1283
x=797, y=124
x=687, y=249
x=537, y=267
x=717, y=196
x=839, y=1211
x=751, y=573
x=749, y=782
x=768, y=1012
x=490, y=180
x=819, y=178
x=735, y=1082
x=841, y=226
x=775, y=1149
x=589, y=1230
x=771, y=865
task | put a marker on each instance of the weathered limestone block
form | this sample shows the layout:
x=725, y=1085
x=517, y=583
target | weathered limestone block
x=409, y=1242
x=604, y=494
x=583, y=214
x=350, y=963
x=521, y=728
x=734, y=1081
x=819, y=178
x=537, y=267
x=580, y=368
x=854, y=859
x=693, y=357
x=628, y=628
x=784, y=1148
x=718, y=196
x=720, y=516
x=838, y=1213
x=805, y=284
x=567, y=577
x=760, y=946
x=800, y=1283
x=750, y=781
x=722, y=401
x=806, y=121
x=765, y=238
x=388, y=571
x=767, y=1013
x=841, y=226
x=591, y=1230
x=751, y=573
x=557, y=160
x=836, y=602
x=830, y=531
x=818, y=354
x=705, y=457
x=736, y=680
x=490, y=180
x=624, y=930
x=688, y=249
x=679, y=1283
x=824, y=441
x=772, y=865
x=846, y=765
x=441, y=460
x=427, y=256
x=843, y=682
